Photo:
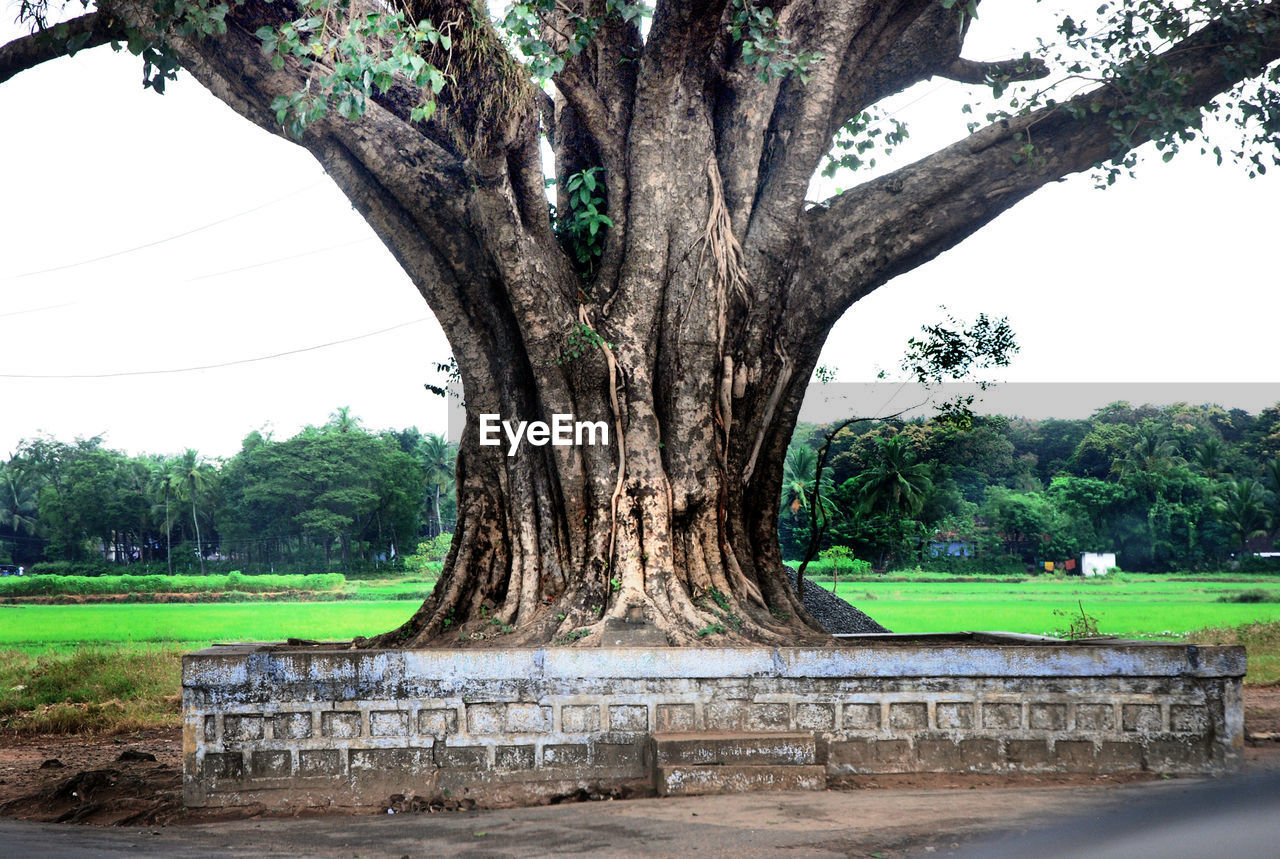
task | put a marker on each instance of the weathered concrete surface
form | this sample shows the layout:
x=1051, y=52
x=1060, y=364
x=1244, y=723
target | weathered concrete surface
x=327, y=726
x=727, y=748
x=696, y=764
x=736, y=778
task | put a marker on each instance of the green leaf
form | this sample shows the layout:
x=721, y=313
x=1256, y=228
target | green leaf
x=423, y=112
x=77, y=42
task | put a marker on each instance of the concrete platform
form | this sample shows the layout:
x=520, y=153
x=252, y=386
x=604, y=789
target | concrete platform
x=326, y=725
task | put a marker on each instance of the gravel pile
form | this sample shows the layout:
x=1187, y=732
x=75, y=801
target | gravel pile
x=835, y=615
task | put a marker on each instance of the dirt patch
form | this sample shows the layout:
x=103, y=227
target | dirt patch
x=116, y=782
x=85, y=780
x=1262, y=714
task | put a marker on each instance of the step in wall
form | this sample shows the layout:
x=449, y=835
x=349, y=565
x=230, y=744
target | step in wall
x=724, y=748
x=701, y=780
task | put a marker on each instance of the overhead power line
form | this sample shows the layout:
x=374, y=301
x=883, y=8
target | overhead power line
x=37, y=309
x=152, y=244
x=275, y=260
x=214, y=274
x=212, y=366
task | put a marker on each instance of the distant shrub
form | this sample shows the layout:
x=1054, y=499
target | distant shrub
x=1254, y=564
x=55, y=585
x=429, y=555
x=823, y=569
x=68, y=568
x=979, y=566
x=839, y=561
x=1253, y=595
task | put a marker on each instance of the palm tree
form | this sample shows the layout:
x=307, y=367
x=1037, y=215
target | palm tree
x=342, y=420
x=797, y=483
x=1271, y=478
x=1208, y=458
x=191, y=475
x=438, y=458
x=1149, y=461
x=161, y=488
x=18, y=508
x=897, y=484
x=1242, y=508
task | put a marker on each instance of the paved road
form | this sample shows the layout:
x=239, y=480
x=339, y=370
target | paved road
x=1237, y=817
x=832, y=823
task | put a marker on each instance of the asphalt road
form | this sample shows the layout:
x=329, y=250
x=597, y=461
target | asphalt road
x=1232, y=817
x=1238, y=817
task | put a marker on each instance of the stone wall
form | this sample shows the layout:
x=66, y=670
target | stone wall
x=271, y=725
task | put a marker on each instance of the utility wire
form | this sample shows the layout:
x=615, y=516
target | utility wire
x=251, y=265
x=38, y=309
x=214, y=274
x=152, y=244
x=212, y=366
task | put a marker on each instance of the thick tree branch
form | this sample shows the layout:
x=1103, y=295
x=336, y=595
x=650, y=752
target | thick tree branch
x=798, y=135
x=598, y=81
x=60, y=40
x=893, y=224
x=930, y=43
x=683, y=34
x=591, y=111
x=974, y=72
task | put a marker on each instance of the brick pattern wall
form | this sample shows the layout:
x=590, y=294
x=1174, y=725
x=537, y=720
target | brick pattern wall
x=530, y=737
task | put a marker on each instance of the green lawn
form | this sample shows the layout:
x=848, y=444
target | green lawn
x=197, y=623
x=390, y=589
x=1132, y=605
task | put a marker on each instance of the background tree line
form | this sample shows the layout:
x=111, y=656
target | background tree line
x=1177, y=487
x=331, y=497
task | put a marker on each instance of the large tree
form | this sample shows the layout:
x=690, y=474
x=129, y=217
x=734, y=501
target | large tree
x=684, y=286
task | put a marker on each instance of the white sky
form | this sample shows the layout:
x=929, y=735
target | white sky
x=1167, y=278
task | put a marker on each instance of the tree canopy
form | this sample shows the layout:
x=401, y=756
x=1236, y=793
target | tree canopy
x=1007, y=491
x=333, y=496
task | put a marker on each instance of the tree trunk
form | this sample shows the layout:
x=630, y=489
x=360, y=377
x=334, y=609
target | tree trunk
x=168, y=536
x=544, y=547
x=195, y=520
x=439, y=522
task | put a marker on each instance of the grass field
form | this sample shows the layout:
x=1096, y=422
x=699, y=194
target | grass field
x=1136, y=606
x=196, y=623
x=1130, y=605
x=114, y=667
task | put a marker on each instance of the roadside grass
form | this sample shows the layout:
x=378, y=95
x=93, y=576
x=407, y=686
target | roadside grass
x=111, y=668
x=1260, y=640
x=90, y=690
